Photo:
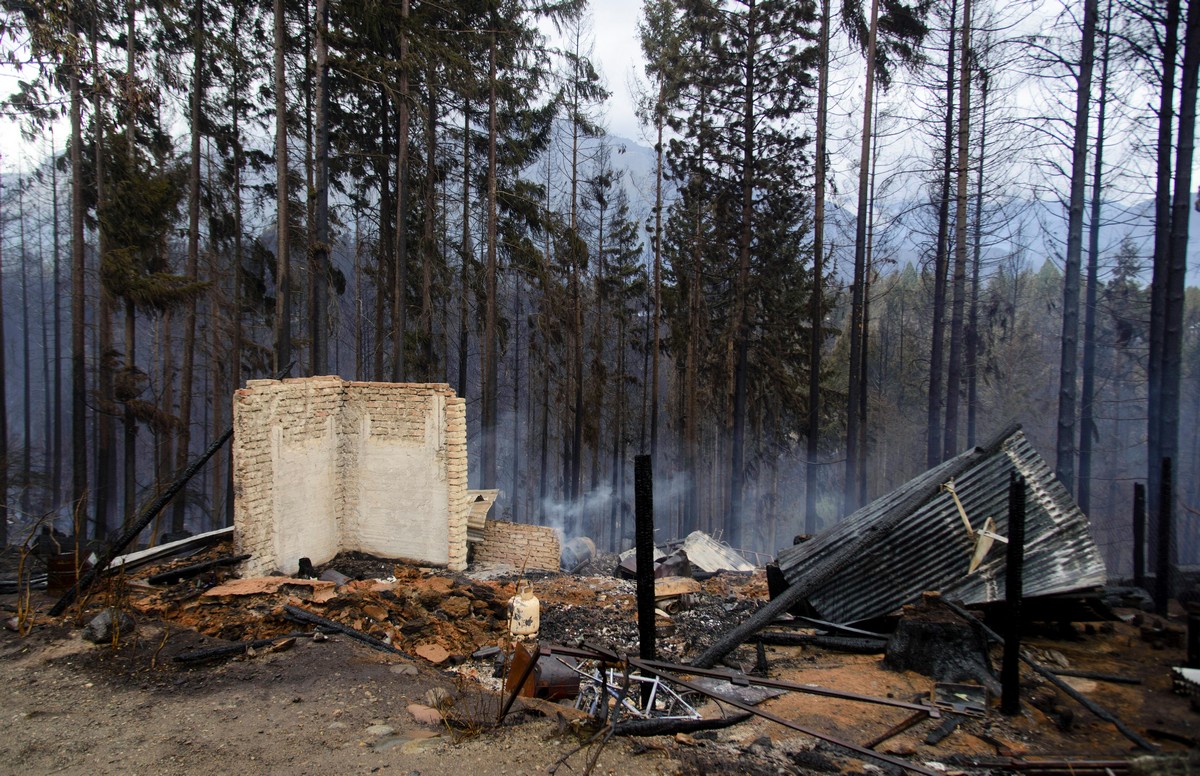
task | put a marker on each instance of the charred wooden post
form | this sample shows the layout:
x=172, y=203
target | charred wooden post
x=643, y=492
x=1162, y=565
x=1010, y=670
x=670, y=727
x=1193, y=640
x=644, y=516
x=1139, y=534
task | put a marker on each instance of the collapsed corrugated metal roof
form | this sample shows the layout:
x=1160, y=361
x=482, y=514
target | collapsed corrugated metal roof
x=913, y=539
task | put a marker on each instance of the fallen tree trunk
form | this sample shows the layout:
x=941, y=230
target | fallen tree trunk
x=194, y=569
x=669, y=727
x=231, y=650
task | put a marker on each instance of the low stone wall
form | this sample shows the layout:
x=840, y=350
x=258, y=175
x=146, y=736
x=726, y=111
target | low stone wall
x=519, y=544
x=323, y=465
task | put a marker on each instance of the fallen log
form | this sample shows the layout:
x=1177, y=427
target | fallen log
x=853, y=644
x=669, y=727
x=303, y=615
x=231, y=650
x=194, y=569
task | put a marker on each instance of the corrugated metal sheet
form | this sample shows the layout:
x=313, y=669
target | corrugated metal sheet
x=890, y=558
x=707, y=554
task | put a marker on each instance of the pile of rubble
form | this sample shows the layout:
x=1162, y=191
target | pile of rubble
x=429, y=612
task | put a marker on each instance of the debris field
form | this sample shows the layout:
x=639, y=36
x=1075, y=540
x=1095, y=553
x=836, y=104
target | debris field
x=452, y=629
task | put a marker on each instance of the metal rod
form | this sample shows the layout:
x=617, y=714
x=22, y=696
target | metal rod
x=1115, y=679
x=649, y=667
x=734, y=677
x=895, y=730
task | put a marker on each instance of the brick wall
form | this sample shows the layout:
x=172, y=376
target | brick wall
x=519, y=544
x=323, y=465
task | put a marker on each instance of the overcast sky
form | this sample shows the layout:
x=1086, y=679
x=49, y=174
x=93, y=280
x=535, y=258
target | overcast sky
x=618, y=55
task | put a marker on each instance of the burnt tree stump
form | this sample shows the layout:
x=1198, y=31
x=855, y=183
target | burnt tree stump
x=934, y=641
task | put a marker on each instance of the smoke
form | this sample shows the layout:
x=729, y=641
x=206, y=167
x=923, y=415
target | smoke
x=580, y=517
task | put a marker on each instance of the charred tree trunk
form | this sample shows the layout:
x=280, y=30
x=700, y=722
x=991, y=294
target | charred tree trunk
x=105, y=463
x=858, y=298
x=816, y=303
x=400, y=288
x=79, y=478
x=941, y=266
x=737, y=474
x=320, y=250
x=1065, y=460
x=1162, y=258
x=1087, y=423
x=283, y=293
x=976, y=270
x=935, y=642
x=955, y=361
x=490, y=355
x=179, y=508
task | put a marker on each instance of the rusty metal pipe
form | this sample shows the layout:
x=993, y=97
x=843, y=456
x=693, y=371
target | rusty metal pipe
x=648, y=667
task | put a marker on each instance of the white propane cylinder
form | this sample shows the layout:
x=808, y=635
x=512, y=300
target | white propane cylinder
x=524, y=613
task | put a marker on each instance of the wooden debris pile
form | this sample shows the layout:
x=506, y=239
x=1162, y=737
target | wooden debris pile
x=413, y=610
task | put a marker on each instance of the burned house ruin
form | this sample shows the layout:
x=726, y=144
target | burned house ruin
x=324, y=465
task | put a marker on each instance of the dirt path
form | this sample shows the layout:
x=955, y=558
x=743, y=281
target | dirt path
x=334, y=707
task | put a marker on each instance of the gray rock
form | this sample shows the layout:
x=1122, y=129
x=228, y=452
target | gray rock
x=100, y=629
